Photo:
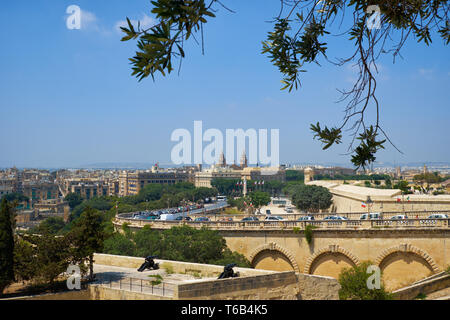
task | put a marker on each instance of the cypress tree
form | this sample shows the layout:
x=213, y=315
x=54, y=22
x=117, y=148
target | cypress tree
x=88, y=236
x=6, y=245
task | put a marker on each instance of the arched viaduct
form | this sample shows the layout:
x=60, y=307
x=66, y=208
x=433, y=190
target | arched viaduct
x=404, y=253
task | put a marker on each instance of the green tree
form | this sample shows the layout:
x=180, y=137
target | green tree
x=73, y=199
x=240, y=203
x=202, y=193
x=273, y=187
x=52, y=225
x=53, y=256
x=178, y=243
x=148, y=242
x=295, y=175
x=15, y=197
x=229, y=256
x=119, y=244
x=388, y=182
x=291, y=187
x=6, y=244
x=312, y=198
x=87, y=237
x=353, y=283
x=226, y=186
x=188, y=244
x=259, y=199
x=300, y=31
x=25, y=262
x=402, y=185
x=428, y=177
x=150, y=192
x=97, y=203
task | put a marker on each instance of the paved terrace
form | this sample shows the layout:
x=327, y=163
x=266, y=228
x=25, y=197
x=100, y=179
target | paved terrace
x=131, y=280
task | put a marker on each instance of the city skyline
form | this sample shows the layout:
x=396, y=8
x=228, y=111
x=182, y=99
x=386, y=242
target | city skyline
x=70, y=100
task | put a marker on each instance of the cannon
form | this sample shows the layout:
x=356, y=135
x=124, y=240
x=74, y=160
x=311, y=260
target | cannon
x=149, y=263
x=228, y=272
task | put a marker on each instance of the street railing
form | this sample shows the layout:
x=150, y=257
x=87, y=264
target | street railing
x=163, y=289
x=289, y=224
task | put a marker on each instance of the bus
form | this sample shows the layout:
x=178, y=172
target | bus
x=221, y=198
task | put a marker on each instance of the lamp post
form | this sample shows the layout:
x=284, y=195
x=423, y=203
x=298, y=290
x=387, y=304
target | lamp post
x=369, y=203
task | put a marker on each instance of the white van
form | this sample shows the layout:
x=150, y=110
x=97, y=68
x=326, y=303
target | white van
x=370, y=216
x=170, y=216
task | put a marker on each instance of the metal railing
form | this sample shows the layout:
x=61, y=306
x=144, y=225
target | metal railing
x=163, y=289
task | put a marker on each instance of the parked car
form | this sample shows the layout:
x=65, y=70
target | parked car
x=335, y=218
x=289, y=210
x=251, y=218
x=438, y=216
x=274, y=218
x=201, y=219
x=226, y=219
x=306, y=218
x=370, y=216
x=181, y=218
x=399, y=217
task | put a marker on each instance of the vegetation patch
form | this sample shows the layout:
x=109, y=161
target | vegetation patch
x=158, y=279
x=309, y=233
x=421, y=296
x=168, y=267
x=354, y=286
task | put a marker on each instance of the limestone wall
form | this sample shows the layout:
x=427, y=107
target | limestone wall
x=98, y=292
x=252, y=283
x=280, y=286
x=404, y=256
x=66, y=295
x=318, y=287
x=349, y=198
x=206, y=270
x=424, y=287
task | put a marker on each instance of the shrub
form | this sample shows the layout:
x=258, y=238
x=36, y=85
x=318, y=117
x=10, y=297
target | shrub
x=158, y=279
x=309, y=233
x=168, y=267
x=353, y=283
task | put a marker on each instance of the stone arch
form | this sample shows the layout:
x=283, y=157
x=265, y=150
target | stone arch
x=407, y=248
x=333, y=248
x=272, y=246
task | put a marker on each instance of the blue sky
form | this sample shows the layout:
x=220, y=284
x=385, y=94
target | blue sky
x=67, y=97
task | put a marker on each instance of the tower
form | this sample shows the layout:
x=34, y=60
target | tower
x=243, y=160
x=309, y=174
x=222, y=160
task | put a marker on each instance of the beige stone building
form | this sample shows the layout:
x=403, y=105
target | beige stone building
x=40, y=191
x=130, y=183
x=350, y=198
x=204, y=178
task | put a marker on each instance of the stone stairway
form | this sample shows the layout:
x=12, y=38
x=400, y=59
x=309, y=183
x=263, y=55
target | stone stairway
x=435, y=287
